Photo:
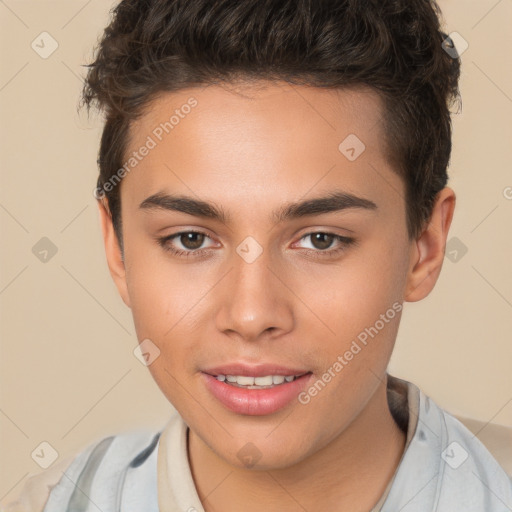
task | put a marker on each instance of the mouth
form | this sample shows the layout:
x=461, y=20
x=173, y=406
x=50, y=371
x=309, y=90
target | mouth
x=256, y=391
x=264, y=382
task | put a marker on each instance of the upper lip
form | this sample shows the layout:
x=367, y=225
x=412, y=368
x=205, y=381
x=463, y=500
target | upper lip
x=259, y=370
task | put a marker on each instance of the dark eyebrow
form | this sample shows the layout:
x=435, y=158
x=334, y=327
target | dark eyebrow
x=184, y=204
x=333, y=202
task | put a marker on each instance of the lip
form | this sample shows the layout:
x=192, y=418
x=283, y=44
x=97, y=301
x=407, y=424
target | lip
x=259, y=370
x=255, y=402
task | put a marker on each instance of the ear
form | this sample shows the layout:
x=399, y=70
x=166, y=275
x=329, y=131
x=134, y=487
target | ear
x=427, y=251
x=113, y=251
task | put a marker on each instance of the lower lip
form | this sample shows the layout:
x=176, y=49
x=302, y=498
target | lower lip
x=256, y=402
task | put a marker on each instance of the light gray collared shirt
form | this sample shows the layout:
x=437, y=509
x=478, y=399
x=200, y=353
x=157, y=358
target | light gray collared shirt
x=444, y=468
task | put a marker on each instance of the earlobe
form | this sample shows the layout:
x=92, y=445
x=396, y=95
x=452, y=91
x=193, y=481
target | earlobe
x=113, y=253
x=427, y=253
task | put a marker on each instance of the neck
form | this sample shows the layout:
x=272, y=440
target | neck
x=350, y=473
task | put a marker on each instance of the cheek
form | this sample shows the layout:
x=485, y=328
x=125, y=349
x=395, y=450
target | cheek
x=362, y=303
x=152, y=301
x=383, y=272
x=161, y=290
x=168, y=304
x=352, y=295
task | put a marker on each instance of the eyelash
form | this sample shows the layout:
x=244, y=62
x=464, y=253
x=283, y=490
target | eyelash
x=345, y=243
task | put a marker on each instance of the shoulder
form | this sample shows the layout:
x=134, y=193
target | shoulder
x=107, y=471
x=36, y=489
x=470, y=467
x=445, y=466
x=468, y=476
x=496, y=438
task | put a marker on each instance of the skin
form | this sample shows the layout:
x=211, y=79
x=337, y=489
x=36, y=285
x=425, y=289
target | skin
x=251, y=149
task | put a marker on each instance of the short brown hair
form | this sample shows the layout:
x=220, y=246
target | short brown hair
x=392, y=46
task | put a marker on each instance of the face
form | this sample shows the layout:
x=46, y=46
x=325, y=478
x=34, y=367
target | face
x=265, y=236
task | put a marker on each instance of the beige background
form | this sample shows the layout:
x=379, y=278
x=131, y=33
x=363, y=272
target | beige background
x=68, y=373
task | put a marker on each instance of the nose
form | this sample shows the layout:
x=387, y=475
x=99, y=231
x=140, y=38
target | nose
x=255, y=301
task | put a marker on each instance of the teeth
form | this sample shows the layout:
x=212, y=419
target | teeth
x=256, y=382
x=263, y=381
x=245, y=381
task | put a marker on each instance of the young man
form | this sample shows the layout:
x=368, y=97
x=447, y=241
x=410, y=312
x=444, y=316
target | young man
x=272, y=190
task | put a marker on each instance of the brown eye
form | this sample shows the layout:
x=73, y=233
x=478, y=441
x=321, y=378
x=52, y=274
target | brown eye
x=322, y=241
x=321, y=244
x=186, y=244
x=192, y=240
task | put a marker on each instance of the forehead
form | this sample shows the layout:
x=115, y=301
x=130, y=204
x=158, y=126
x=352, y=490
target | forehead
x=245, y=141
x=261, y=108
